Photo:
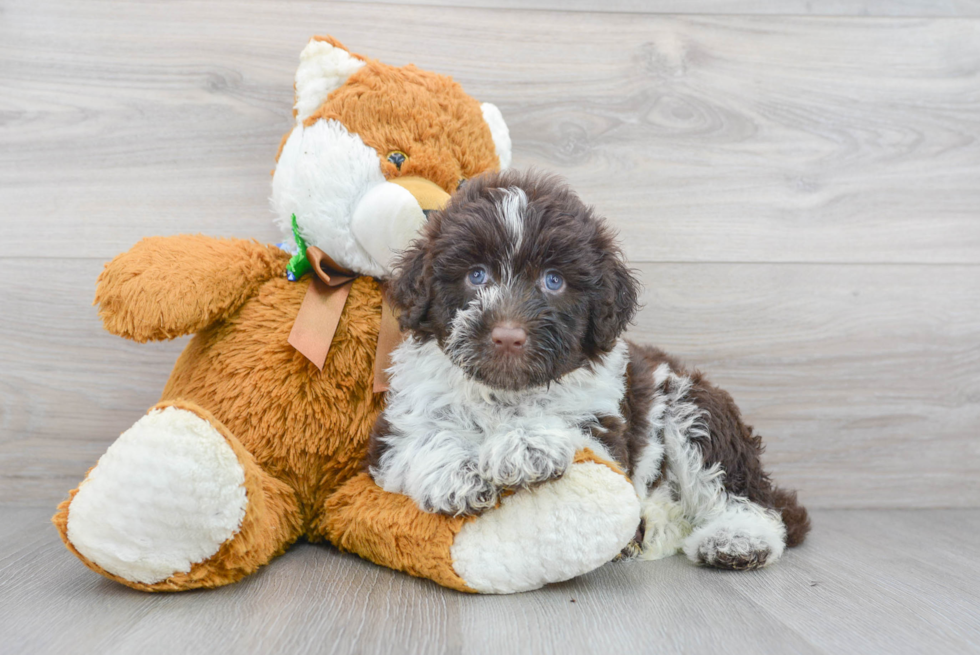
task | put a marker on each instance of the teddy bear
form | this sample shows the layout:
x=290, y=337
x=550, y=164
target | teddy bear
x=260, y=435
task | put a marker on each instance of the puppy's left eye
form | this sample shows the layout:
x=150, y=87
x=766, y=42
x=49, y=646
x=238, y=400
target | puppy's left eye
x=553, y=281
x=477, y=277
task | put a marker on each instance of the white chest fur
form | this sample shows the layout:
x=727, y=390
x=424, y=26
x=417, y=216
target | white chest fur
x=454, y=441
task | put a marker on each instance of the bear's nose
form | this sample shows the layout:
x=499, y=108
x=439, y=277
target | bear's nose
x=508, y=338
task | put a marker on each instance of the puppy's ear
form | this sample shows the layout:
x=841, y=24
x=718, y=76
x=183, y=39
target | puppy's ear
x=616, y=303
x=410, y=290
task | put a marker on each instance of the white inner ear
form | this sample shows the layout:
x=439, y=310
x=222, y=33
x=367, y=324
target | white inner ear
x=385, y=222
x=322, y=69
x=499, y=132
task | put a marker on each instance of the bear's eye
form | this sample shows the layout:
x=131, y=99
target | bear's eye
x=397, y=157
x=553, y=281
x=459, y=185
x=477, y=277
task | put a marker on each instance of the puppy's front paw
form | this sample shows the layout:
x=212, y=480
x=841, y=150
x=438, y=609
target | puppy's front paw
x=459, y=491
x=520, y=459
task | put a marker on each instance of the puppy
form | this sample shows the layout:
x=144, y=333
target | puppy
x=516, y=297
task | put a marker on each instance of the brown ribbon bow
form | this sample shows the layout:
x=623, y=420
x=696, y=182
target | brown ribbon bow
x=318, y=317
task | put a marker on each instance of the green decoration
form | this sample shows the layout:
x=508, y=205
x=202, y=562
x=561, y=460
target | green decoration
x=299, y=265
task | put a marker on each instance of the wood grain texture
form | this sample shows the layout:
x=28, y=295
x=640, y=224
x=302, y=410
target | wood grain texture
x=731, y=138
x=800, y=196
x=865, y=581
x=865, y=397
x=864, y=379
x=856, y=8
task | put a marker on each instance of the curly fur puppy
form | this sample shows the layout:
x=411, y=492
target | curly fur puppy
x=516, y=297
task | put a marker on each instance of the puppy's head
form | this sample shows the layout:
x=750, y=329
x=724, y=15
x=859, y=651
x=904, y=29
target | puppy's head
x=518, y=281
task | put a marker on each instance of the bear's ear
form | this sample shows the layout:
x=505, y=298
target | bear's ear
x=324, y=65
x=498, y=130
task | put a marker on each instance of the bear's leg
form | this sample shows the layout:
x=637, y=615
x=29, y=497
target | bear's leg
x=178, y=503
x=552, y=532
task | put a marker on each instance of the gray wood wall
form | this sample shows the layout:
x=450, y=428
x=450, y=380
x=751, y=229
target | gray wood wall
x=800, y=192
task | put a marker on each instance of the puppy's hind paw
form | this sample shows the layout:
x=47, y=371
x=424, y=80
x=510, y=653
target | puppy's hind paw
x=735, y=552
x=743, y=538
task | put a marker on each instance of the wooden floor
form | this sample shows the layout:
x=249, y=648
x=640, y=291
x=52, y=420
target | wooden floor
x=800, y=195
x=797, y=183
x=868, y=581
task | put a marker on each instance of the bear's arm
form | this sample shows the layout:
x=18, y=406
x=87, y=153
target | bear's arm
x=165, y=287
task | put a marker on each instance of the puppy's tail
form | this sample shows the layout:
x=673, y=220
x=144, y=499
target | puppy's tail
x=795, y=516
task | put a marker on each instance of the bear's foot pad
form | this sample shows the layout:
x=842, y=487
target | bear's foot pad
x=165, y=496
x=557, y=531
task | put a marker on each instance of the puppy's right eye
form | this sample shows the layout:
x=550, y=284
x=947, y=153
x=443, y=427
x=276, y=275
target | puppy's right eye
x=477, y=277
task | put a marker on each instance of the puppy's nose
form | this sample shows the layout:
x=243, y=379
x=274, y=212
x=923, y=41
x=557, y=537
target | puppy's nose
x=508, y=338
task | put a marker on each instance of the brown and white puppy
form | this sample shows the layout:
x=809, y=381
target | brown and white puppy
x=516, y=298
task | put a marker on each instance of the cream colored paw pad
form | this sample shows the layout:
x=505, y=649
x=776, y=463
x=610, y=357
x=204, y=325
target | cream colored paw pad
x=163, y=497
x=556, y=531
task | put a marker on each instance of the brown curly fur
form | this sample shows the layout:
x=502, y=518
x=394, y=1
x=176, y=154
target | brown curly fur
x=565, y=329
x=734, y=445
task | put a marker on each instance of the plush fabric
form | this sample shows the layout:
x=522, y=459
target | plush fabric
x=270, y=524
x=389, y=529
x=426, y=116
x=166, y=287
x=575, y=522
x=253, y=446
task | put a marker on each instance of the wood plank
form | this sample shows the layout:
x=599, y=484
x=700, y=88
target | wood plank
x=855, y=8
x=313, y=599
x=634, y=605
x=853, y=587
x=736, y=139
x=877, y=582
x=864, y=379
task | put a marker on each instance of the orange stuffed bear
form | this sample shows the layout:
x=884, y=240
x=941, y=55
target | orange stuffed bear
x=262, y=428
